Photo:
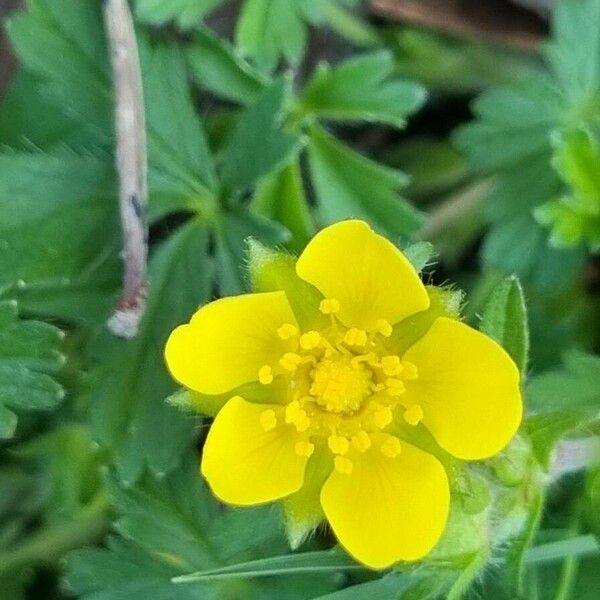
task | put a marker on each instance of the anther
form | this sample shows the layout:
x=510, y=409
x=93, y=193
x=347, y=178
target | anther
x=265, y=375
x=310, y=340
x=391, y=365
x=287, y=331
x=304, y=449
x=329, y=306
x=413, y=415
x=343, y=465
x=361, y=441
x=391, y=447
x=382, y=417
x=383, y=327
x=294, y=414
x=409, y=371
x=338, y=444
x=395, y=387
x=268, y=420
x=355, y=337
x=290, y=361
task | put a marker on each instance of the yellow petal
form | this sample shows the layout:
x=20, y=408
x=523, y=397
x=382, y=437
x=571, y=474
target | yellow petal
x=246, y=460
x=468, y=388
x=366, y=273
x=388, y=509
x=228, y=341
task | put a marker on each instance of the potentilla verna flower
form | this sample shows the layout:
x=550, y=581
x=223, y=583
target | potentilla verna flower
x=343, y=393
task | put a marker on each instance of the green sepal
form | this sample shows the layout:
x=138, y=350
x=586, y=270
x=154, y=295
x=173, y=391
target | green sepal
x=272, y=270
x=302, y=510
x=444, y=302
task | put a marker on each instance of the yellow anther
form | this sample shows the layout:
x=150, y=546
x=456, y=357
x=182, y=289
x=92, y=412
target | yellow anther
x=338, y=444
x=304, y=449
x=382, y=417
x=378, y=387
x=290, y=361
x=265, y=375
x=355, y=337
x=310, y=340
x=302, y=422
x=329, y=306
x=413, y=415
x=391, y=365
x=287, y=331
x=361, y=441
x=295, y=415
x=343, y=465
x=395, y=387
x=268, y=420
x=409, y=371
x=391, y=447
x=383, y=327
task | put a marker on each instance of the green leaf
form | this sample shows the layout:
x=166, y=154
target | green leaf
x=216, y=66
x=232, y=230
x=281, y=197
x=420, y=254
x=573, y=387
x=349, y=185
x=129, y=414
x=387, y=588
x=59, y=234
x=245, y=161
x=361, y=89
x=268, y=30
x=505, y=320
x=182, y=174
x=554, y=551
x=29, y=356
x=186, y=13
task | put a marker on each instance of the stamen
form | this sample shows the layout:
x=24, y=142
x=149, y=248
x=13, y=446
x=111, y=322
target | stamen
x=343, y=465
x=338, y=444
x=310, y=340
x=329, y=306
x=409, y=371
x=287, y=331
x=295, y=415
x=268, y=420
x=265, y=375
x=391, y=447
x=391, y=365
x=361, y=441
x=395, y=387
x=304, y=449
x=413, y=415
x=290, y=361
x=383, y=327
x=355, y=337
x=382, y=417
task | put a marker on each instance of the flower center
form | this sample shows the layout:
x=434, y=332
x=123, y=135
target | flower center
x=344, y=387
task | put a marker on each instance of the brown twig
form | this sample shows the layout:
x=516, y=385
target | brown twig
x=131, y=165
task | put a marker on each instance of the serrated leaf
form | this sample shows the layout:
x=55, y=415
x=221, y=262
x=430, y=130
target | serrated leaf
x=232, y=229
x=59, y=234
x=349, y=185
x=129, y=414
x=186, y=13
x=244, y=161
x=281, y=197
x=29, y=357
x=504, y=319
x=361, y=89
x=216, y=66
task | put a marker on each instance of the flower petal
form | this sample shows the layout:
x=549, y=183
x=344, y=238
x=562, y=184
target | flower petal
x=366, y=273
x=243, y=463
x=388, y=509
x=468, y=388
x=228, y=341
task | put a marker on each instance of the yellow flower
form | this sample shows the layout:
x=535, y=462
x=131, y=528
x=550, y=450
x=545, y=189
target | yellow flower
x=345, y=392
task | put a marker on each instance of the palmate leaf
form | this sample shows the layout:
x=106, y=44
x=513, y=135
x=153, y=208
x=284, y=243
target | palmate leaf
x=186, y=13
x=172, y=527
x=29, y=357
x=129, y=414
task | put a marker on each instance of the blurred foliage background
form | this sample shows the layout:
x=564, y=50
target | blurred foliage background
x=469, y=128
